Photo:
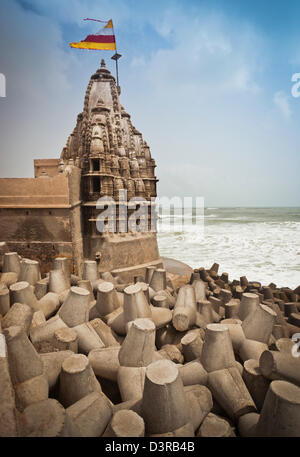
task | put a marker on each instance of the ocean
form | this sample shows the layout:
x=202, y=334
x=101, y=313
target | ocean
x=260, y=243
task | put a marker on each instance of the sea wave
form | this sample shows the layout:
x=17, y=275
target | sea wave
x=261, y=248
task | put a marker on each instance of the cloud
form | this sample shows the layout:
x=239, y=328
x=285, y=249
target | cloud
x=35, y=66
x=70, y=11
x=208, y=52
x=281, y=100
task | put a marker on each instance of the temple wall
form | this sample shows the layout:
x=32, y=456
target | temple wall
x=118, y=252
x=40, y=218
x=34, y=192
x=49, y=165
x=35, y=224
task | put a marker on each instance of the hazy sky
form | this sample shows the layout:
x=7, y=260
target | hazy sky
x=208, y=83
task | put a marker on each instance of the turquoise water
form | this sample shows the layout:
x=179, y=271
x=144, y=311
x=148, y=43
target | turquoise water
x=260, y=243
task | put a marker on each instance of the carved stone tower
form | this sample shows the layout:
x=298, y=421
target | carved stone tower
x=113, y=158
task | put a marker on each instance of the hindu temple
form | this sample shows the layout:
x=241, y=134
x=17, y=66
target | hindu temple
x=105, y=164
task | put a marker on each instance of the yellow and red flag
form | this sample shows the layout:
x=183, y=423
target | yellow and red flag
x=104, y=40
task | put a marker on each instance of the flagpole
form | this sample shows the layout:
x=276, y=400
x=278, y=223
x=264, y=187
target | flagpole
x=117, y=72
x=116, y=57
x=90, y=43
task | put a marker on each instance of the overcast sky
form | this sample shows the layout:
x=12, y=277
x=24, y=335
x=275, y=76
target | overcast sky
x=208, y=83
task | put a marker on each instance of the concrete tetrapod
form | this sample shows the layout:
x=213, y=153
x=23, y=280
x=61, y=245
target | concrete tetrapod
x=4, y=301
x=164, y=403
x=125, y=423
x=105, y=362
x=200, y=289
x=133, y=405
x=3, y=250
x=107, y=276
x=41, y=288
x=225, y=295
x=47, y=418
x=247, y=424
x=285, y=345
x=279, y=331
x=63, y=296
x=167, y=335
x=8, y=278
x=158, y=280
x=139, y=345
x=160, y=301
x=135, y=353
x=58, y=282
x=230, y=391
x=192, y=344
x=276, y=365
x=216, y=304
x=232, y=308
x=193, y=373
x=214, y=426
x=217, y=351
x=200, y=403
x=90, y=270
x=290, y=308
x=149, y=272
x=49, y=304
x=107, y=299
x=45, y=332
x=186, y=431
x=65, y=339
x=77, y=380
x=166, y=293
x=88, y=338
x=294, y=319
x=146, y=289
x=11, y=263
x=115, y=321
x=160, y=316
x=249, y=303
x=170, y=352
x=91, y=414
x=30, y=271
x=31, y=391
x=256, y=383
x=135, y=304
x=52, y=362
x=131, y=382
x=86, y=284
x=280, y=415
x=236, y=334
x=251, y=349
x=18, y=315
x=105, y=332
x=75, y=309
x=184, y=314
x=8, y=418
x=24, y=361
x=63, y=263
x=22, y=292
x=258, y=325
x=206, y=310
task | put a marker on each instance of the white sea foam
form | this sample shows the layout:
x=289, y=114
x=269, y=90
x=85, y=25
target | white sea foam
x=263, y=244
